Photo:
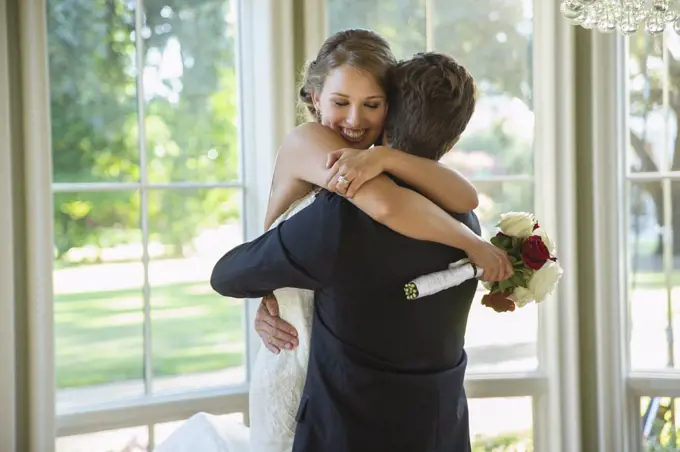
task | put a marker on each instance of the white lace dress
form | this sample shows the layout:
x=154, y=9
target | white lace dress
x=275, y=388
x=277, y=380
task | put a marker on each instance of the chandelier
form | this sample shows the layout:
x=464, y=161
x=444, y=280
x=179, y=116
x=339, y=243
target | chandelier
x=624, y=16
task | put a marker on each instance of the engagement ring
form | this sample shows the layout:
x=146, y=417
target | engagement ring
x=342, y=180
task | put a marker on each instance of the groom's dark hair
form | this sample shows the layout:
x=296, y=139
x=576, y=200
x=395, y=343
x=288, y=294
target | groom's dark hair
x=431, y=99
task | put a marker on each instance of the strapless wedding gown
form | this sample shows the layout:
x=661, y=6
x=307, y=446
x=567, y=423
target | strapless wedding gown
x=276, y=386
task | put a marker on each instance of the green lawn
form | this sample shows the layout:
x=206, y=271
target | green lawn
x=654, y=280
x=99, y=336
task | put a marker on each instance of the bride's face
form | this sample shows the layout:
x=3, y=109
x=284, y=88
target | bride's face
x=352, y=104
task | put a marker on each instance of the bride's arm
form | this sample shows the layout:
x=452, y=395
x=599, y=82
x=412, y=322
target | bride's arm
x=301, y=164
x=444, y=186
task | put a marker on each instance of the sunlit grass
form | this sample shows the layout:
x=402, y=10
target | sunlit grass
x=100, y=339
x=654, y=280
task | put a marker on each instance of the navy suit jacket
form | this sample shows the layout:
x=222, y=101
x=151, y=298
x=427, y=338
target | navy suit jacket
x=385, y=373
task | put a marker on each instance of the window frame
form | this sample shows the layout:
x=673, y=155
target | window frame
x=636, y=383
x=265, y=117
x=605, y=340
x=552, y=386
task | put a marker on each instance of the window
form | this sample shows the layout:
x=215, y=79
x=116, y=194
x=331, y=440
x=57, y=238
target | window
x=496, y=150
x=652, y=233
x=146, y=181
x=151, y=105
x=495, y=40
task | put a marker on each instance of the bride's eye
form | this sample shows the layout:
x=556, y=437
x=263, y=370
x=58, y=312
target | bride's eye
x=373, y=106
x=340, y=104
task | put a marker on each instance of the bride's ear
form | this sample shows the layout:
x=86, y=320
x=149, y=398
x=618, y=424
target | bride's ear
x=315, y=100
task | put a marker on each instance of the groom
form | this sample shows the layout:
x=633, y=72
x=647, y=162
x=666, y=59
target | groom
x=385, y=374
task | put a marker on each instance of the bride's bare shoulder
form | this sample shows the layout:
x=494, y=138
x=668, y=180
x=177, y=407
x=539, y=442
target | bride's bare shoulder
x=306, y=133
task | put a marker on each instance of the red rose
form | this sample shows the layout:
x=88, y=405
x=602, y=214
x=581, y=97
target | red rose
x=534, y=252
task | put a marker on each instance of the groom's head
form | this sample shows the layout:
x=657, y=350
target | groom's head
x=431, y=99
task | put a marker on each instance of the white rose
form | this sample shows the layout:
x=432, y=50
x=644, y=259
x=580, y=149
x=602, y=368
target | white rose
x=547, y=241
x=517, y=224
x=544, y=280
x=521, y=296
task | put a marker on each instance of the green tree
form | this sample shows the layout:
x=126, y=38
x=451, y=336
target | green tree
x=190, y=114
x=493, y=40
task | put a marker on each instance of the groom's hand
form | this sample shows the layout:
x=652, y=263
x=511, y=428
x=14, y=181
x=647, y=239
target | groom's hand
x=276, y=333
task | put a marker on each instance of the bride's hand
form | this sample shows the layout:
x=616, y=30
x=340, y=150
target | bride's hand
x=276, y=333
x=355, y=166
x=493, y=260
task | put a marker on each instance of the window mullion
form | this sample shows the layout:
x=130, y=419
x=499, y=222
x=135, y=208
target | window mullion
x=144, y=196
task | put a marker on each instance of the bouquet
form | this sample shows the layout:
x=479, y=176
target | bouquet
x=532, y=254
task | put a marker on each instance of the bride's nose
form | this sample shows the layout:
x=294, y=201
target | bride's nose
x=354, y=116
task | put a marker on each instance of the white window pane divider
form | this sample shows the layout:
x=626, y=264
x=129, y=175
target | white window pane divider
x=654, y=177
x=144, y=197
x=149, y=411
x=654, y=384
x=532, y=384
x=71, y=187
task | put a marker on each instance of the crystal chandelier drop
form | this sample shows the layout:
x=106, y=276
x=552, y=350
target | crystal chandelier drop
x=626, y=16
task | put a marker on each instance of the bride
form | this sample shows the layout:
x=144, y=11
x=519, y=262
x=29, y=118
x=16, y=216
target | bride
x=344, y=92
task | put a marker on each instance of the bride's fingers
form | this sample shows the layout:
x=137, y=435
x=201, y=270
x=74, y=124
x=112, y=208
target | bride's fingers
x=332, y=179
x=355, y=185
x=348, y=179
x=334, y=157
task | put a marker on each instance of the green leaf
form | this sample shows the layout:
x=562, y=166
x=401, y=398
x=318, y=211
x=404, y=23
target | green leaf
x=501, y=241
x=505, y=285
x=518, y=279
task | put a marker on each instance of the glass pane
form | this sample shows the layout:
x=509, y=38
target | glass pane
x=654, y=292
x=494, y=40
x=123, y=440
x=198, y=336
x=660, y=424
x=98, y=279
x=501, y=424
x=501, y=342
x=401, y=22
x=648, y=296
x=190, y=90
x=675, y=271
x=651, y=125
x=93, y=93
x=163, y=431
